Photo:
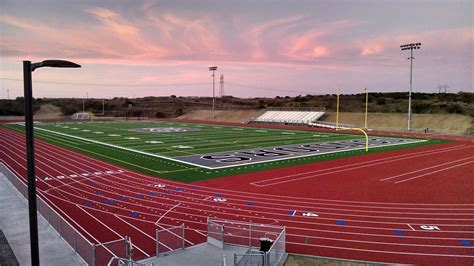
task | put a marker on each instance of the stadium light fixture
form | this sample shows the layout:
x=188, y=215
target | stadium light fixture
x=213, y=69
x=411, y=47
x=29, y=67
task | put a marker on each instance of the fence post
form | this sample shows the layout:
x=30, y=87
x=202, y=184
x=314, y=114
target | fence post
x=157, y=243
x=250, y=236
x=93, y=255
x=182, y=234
x=75, y=242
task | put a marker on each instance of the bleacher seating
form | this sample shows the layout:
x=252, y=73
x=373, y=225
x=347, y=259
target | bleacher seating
x=289, y=117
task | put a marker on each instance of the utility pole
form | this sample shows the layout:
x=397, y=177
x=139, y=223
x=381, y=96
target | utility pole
x=221, y=91
x=411, y=47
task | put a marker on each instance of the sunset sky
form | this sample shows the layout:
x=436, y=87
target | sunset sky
x=263, y=48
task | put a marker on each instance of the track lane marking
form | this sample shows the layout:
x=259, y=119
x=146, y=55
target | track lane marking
x=437, y=171
x=423, y=169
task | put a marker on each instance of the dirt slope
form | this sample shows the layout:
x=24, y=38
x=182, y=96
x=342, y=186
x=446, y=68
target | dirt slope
x=435, y=122
x=223, y=115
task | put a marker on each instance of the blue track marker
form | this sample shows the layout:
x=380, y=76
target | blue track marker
x=180, y=189
x=341, y=222
x=134, y=214
x=466, y=243
x=192, y=187
x=98, y=193
x=167, y=191
x=88, y=203
x=292, y=213
x=250, y=203
x=122, y=198
x=109, y=201
x=153, y=193
x=218, y=195
x=399, y=232
x=138, y=195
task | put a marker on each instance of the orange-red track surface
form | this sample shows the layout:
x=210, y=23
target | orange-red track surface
x=372, y=207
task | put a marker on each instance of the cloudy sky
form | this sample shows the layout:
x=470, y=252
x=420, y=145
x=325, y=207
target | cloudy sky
x=263, y=48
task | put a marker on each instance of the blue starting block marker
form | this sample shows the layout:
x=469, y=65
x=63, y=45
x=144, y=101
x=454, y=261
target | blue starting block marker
x=341, y=222
x=399, y=232
x=153, y=193
x=218, y=195
x=192, y=187
x=88, y=203
x=292, y=213
x=138, y=195
x=134, y=214
x=466, y=243
x=98, y=193
x=122, y=198
x=250, y=203
x=180, y=189
x=167, y=191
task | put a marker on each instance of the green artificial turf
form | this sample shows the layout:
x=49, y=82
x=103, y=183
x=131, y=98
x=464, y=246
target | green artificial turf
x=208, y=138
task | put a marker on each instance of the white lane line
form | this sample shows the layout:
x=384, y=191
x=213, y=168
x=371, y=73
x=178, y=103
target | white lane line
x=418, y=176
x=411, y=227
x=333, y=172
x=108, y=227
x=423, y=169
x=199, y=232
x=421, y=153
x=161, y=217
x=139, y=230
x=286, y=198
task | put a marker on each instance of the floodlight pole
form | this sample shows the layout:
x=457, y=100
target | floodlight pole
x=410, y=47
x=411, y=87
x=28, y=67
x=213, y=69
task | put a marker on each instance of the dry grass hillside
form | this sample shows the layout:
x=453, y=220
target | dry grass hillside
x=223, y=115
x=434, y=122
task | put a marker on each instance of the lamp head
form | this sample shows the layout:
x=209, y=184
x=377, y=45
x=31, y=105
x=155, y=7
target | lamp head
x=54, y=63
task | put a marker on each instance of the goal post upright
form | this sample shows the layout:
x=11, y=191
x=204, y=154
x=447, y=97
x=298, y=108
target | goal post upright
x=354, y=128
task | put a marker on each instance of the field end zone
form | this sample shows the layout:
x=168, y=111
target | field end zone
x=245, y=157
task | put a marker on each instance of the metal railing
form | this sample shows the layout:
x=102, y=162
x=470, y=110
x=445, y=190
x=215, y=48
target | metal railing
x=170, y=239
x=92, y=254
x=249, y=235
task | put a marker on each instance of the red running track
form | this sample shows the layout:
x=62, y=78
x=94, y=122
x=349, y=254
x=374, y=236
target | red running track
x=361, y=216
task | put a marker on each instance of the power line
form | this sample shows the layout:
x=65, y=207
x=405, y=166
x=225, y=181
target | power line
x=108, y=84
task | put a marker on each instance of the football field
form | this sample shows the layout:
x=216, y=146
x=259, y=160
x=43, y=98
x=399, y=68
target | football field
x=193, y=151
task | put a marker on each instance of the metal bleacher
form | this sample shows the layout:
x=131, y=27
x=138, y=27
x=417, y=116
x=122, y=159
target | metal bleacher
x=298, y=116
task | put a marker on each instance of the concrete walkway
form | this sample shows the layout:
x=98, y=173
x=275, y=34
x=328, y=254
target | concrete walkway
x=15, y=225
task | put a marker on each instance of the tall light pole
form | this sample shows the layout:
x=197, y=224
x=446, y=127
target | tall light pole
x=213, y=69
x=28, y=67
x=411, y=47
